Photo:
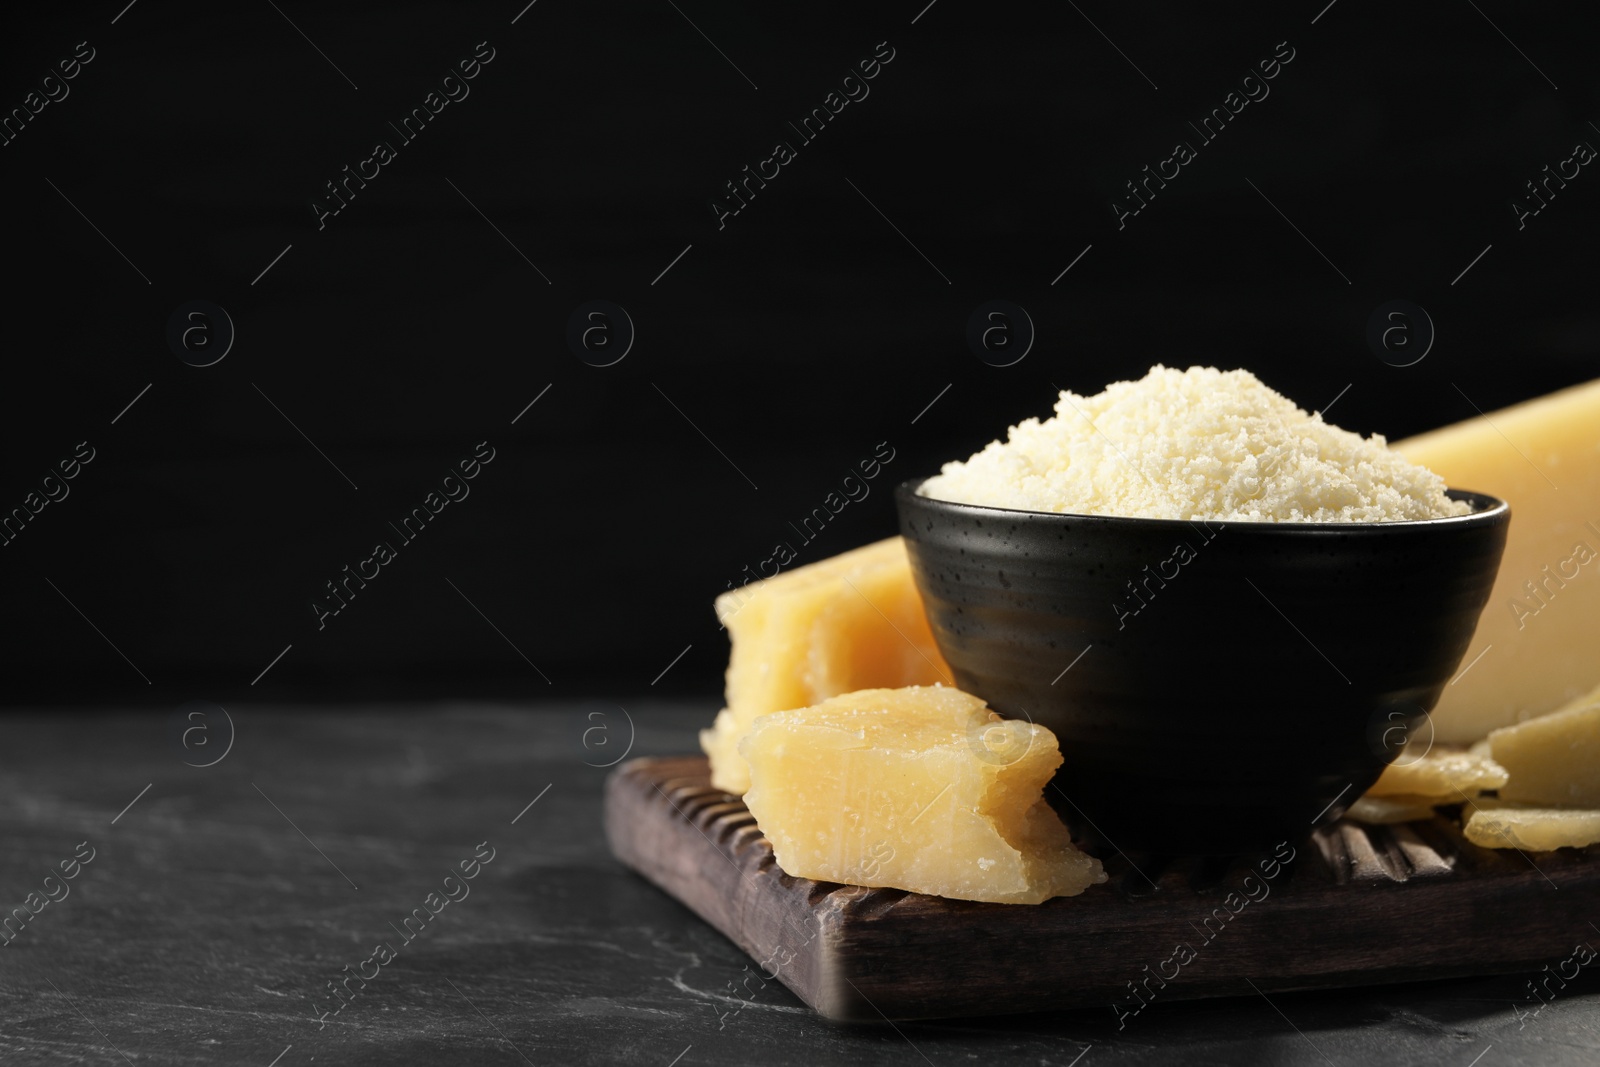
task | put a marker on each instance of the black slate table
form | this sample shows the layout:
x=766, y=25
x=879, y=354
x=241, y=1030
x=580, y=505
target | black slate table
x=222, y=900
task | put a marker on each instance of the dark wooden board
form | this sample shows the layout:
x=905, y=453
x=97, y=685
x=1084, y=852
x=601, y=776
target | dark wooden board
x=1355, y=906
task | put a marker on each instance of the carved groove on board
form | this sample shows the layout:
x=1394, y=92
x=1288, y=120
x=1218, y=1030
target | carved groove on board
x=695, y=806
x=711, y=816
x=1330, y=844
x=685, y=786
x=744, y=837
x=1420, y=860
x=684, y=798
x=820, y=891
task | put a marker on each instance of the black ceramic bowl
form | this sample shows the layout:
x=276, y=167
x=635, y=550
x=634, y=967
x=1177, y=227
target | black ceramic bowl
x=1215, y=687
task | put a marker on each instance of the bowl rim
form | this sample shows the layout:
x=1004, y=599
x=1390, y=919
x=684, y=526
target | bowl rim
x=1488, y=511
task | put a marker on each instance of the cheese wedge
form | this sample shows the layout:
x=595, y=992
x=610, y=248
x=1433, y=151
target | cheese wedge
x=1533, y=829
x=921, y=788
x=854, y=621
x=1443, y=771
x=1539, y=637
x=1554, y=759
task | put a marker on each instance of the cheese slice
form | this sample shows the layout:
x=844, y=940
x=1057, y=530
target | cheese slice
x=853, y=621
x=921, y=788
x=1539, y=637
x=1495, y=825
x=1440, y=771
x=1381, y=811
x=1554, y=759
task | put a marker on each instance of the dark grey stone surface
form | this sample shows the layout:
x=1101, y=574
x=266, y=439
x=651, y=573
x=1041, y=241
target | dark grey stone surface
x=218, y=906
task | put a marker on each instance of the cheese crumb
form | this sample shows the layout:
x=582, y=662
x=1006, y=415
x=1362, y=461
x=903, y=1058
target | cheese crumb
x=1196, y=444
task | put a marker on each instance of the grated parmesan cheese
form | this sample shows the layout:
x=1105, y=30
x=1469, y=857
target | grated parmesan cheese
x=1196, y=444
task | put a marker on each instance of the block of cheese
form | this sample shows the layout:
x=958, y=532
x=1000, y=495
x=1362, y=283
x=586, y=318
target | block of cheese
x=921, y=788
x=854, y=621
x=1441, y=771
x=1381, y=811
x=1554, y=759
x=1540, y=633
x=1493, y=825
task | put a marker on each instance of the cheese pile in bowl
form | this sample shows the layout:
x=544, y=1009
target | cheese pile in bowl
x=1196, y=444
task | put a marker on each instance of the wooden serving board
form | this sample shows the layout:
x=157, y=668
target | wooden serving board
x=1355, y=906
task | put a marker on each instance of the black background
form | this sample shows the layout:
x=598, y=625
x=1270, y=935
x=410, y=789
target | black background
x=796, y=338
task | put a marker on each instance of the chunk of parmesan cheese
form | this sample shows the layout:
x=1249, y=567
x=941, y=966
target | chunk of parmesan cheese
x=921, y=788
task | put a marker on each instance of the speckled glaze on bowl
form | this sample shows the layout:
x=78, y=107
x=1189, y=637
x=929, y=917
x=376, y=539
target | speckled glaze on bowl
x=1215, y=687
